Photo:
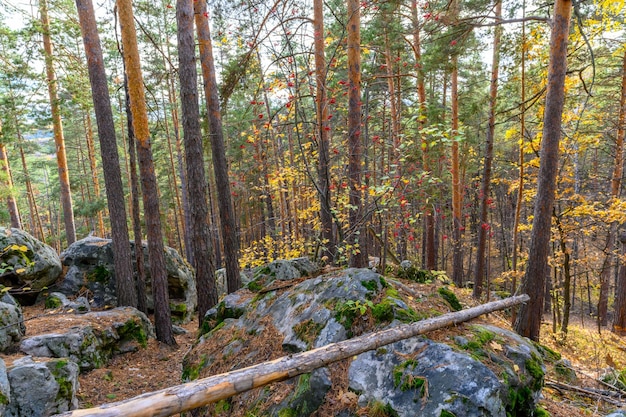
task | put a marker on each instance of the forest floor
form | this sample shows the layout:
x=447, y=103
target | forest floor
x=160, y=366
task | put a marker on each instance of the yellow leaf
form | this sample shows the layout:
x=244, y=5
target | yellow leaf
x=20, y=270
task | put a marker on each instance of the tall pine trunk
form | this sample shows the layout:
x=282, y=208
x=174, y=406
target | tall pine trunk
x=528, y=321
x=228, y=223
x=356, y=238
x=156, y=250
x=14, y=213
x=483, y=227
x=430, y=249
x=197, y=191
x=124, y=279
x=619, y=320
x=323, y=132
x=59, y=140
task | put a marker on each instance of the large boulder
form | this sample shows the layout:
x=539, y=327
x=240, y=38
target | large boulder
x=90, y=266
x=41, y=388
x=26, y=262
x=483, y=371
x=91, y=339
x=12, y=327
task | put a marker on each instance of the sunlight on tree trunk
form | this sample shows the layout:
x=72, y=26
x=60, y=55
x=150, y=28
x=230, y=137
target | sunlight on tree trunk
x=156, y=250
x=356, y=239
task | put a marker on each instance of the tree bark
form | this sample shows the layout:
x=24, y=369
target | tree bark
x=204, y=391
x=228, y=222
x=357, y=249
x=14, y=213
x=430, y=249
x=197, y=192
x=323, y=128
x=619, y=320
x=529, y=318
x=156, y=256
x=91, y=153
x=124, y=280
x=485, y=189
x=59, y=140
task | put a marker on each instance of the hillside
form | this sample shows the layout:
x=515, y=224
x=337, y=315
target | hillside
x=159, y=366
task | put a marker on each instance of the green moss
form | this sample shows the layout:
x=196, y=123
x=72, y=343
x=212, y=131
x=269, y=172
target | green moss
x=371, y=285
x=540, y=412
x=383, y=311
x=415, y=274
x=408, y=382
x=446, y=413
x=3, y=399
x=254, y=286
x=450, y=298
x=287, y=412
x=180, y=308
x=547, y=353
x=192, y=372
x=132, y=330
x=520, y=402
x=222, y=406
x=533, y=366
x=53, y=302
x=380, y=409
x=99, y=274
x=308, y=331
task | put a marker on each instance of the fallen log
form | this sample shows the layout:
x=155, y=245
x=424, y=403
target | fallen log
x=185, y=397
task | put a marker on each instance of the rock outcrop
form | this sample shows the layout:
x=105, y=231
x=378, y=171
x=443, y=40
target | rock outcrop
x=90, y=266
x=26, y=261
x=12, y=327
x=483, y=371
x=38, y=388
x=91, y=339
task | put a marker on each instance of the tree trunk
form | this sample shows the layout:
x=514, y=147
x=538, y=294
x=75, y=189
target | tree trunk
x=91, y=152
x=529, y=318
x=323, y=128
x=156, y=256
x=64, y=179
x=142, y=301
x=124, y=279
x=485, y=189
x=197, y=192
x=228, y=223
x=520, y=185
x=8, y=183
x=204, y=391
x=356, y=244
x=619, y=320
x=430, y=249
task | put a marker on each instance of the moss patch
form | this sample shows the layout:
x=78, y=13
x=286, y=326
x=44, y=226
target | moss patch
x=408, y=381
x=99, y=274
x=450, y=298
x=308, y=331
x=380, y=409
x=133, y=331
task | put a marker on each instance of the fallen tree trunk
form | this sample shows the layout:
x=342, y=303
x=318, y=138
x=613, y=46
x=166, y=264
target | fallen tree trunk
x=204, y=391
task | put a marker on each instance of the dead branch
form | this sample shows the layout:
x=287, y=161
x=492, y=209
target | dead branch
x=204, y=391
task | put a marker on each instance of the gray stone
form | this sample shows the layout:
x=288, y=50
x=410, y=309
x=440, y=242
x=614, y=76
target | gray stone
x=12, y=327
x=91, y=339
x=42, y=388
x=312, y=313
x=60, y=300
x=36, y=267
x=90, y=265
x=220, y=280
x=617, y=414
x=286, y=269
x=5, y=388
